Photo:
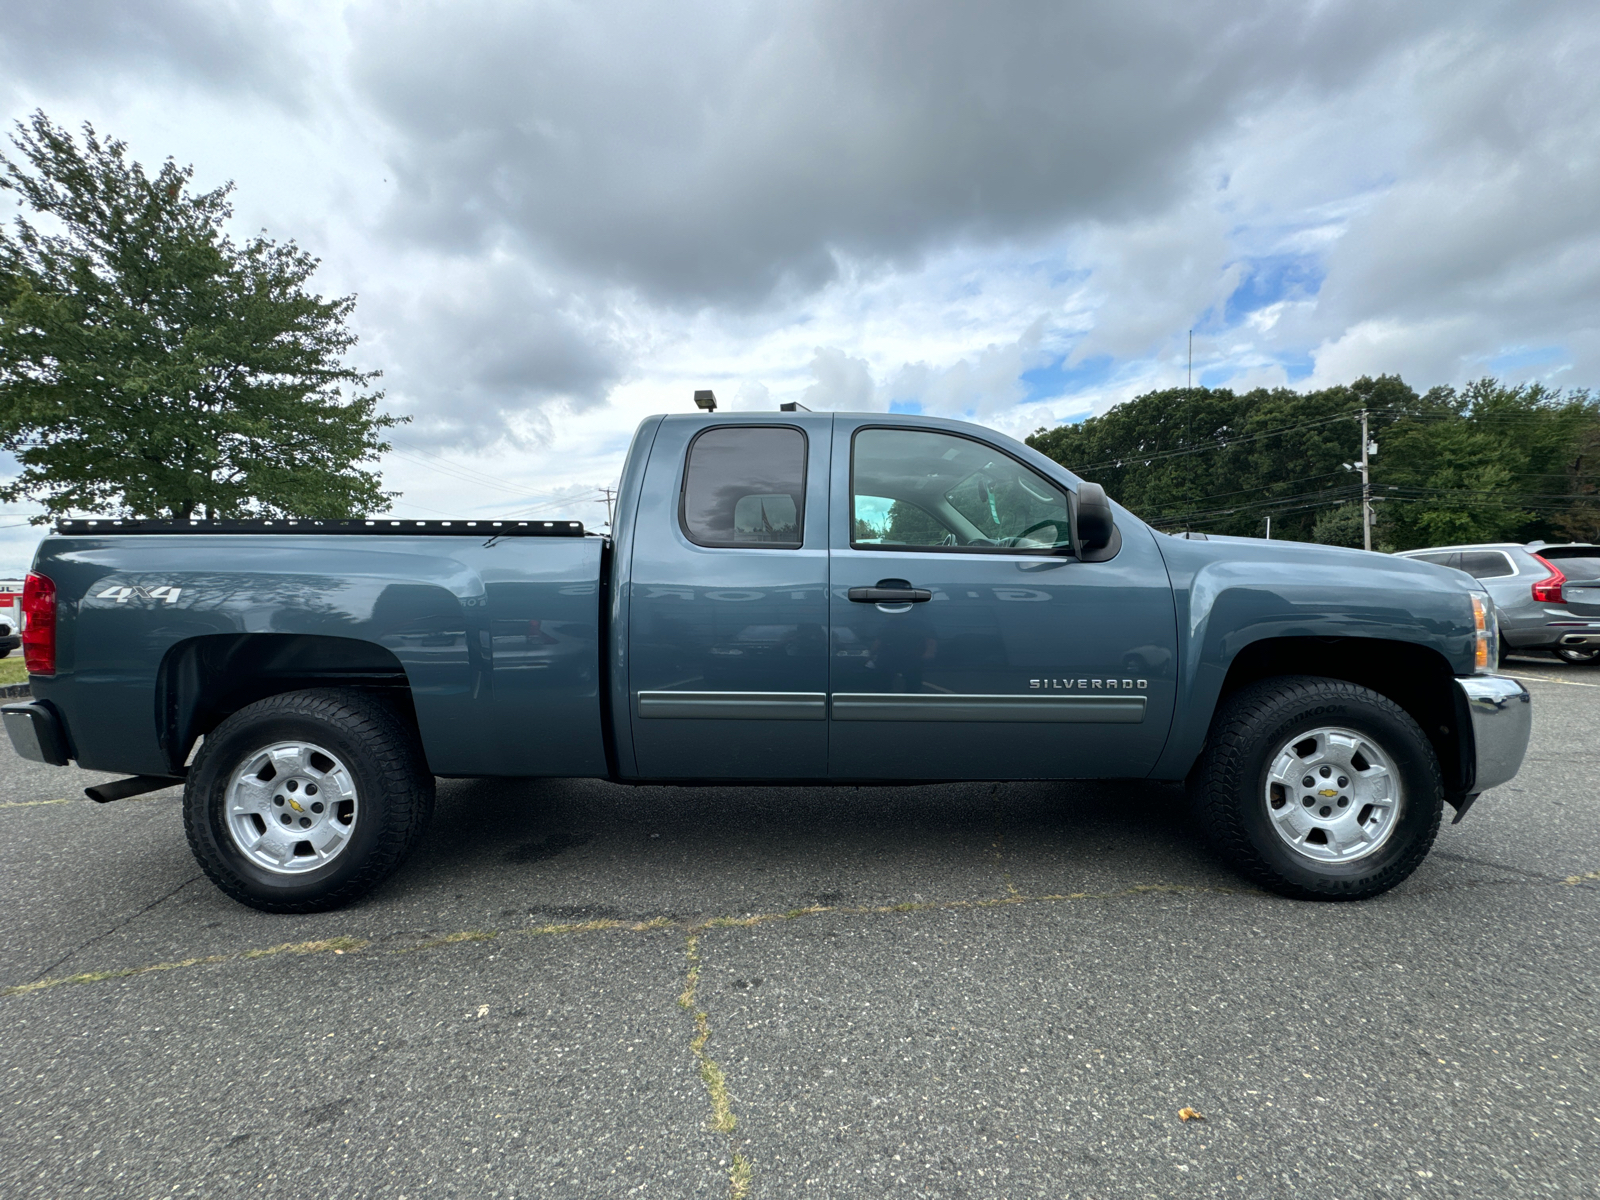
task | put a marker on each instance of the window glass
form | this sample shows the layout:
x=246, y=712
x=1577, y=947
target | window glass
x=912, y=487
x=1448, y=558
x=745, y=486
x=1580, y=568
x=1486, y=564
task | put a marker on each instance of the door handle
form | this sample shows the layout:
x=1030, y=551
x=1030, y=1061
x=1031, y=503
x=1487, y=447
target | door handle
x=889, y=595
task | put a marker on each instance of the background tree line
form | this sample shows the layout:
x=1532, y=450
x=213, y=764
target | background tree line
x=1487, y=462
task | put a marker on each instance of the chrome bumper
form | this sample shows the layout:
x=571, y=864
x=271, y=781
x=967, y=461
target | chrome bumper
x=1502, y=719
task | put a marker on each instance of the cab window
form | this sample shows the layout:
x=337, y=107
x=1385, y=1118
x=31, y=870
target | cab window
x=745, y=486
x=920, y=489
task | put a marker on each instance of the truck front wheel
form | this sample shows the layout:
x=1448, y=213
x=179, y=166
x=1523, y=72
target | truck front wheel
x=305, y=801
x=1318, y=789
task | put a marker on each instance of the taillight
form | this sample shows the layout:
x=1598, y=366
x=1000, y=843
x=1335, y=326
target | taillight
x=39, y=625
x=1548, y=591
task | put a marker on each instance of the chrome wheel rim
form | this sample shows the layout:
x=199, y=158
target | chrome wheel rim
x=1349, y=808
x=291, y=807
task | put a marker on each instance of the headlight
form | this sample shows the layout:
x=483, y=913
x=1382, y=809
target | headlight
x=1486, y=630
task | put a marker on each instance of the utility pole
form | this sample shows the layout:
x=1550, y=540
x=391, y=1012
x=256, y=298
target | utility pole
x=610, y=494
x=1188, y=396
x=1366, y=486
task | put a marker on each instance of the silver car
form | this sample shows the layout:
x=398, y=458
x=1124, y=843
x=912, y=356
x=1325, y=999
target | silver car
x=1548, y=596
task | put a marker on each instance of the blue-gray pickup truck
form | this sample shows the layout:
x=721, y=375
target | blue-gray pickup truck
x=788, y=597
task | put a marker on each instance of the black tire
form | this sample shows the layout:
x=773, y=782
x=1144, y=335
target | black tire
x=384, y=761
x=1579, y=656
x=1229, y=786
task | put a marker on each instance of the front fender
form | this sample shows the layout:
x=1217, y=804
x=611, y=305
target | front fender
x=1233, y=592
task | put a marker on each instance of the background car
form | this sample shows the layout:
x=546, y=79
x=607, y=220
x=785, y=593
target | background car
x=1548, y=596
x=10, y=621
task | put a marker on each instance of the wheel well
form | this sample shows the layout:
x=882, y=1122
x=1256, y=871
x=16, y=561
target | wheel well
x=205, y=679
x=1419, y=680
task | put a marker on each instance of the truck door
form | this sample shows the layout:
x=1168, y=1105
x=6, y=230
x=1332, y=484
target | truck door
x=728, y=612
x=968, y=642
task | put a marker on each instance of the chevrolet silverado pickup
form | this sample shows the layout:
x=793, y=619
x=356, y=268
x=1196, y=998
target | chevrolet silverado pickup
x=817, y=598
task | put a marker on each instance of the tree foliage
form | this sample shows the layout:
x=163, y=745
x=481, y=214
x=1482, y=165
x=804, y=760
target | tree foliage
x=150, y=366
x=1488, y=462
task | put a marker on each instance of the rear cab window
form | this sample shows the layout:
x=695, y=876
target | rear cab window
x=744, y=486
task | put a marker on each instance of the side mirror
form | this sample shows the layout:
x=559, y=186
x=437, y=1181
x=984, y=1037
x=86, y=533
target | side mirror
x=1094, y=517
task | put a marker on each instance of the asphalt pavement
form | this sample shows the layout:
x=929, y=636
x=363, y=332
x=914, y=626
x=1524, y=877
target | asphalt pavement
x=576, y=989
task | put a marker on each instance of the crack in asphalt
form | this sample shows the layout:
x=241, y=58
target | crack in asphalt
x=122, y=924
x=1542, y=876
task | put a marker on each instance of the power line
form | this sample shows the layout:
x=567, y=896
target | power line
x=1224, y=444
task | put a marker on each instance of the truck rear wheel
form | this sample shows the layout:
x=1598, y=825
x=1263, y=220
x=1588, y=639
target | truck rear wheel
x=1318, y=789
x=306, y=801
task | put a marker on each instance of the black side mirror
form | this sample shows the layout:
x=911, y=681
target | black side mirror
x=1094, y=517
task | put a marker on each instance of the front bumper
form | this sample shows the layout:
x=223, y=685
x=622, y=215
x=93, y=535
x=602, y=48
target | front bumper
x=36, y=732
x=1501, y=719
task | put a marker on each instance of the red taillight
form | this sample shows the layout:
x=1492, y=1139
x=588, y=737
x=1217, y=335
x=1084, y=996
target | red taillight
x=39, y=625
x=1548, y=591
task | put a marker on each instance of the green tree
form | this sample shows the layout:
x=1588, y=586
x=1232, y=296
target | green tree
x=150, y=366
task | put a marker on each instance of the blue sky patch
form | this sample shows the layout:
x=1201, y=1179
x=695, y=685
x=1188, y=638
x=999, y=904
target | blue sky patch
x=1272, y=278
x=1058, y=379
x=913, y=407
x=1525, y=356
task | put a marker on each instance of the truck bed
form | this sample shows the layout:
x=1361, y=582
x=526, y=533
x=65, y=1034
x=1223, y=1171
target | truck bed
x=493, y=627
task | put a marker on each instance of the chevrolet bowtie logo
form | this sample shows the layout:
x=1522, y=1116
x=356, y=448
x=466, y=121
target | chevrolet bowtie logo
x=1323, y=792
x=294, y=804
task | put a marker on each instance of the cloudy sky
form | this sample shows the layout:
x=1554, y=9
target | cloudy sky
x=560, y=217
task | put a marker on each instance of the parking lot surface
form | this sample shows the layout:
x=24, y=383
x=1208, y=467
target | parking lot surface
x=576, y=989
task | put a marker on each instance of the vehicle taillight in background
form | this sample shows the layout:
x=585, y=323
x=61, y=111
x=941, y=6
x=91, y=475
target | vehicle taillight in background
x=39, y=625
x=1548, y=591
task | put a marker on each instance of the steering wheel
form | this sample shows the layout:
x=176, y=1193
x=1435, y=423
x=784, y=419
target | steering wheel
x=1050, y=521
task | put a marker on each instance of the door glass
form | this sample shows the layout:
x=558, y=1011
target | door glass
x=1486, y=564
x=917, y=489
x=745, y=486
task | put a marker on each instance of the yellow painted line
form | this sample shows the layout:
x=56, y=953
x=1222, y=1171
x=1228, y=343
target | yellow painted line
x=1552, y=679
x=338, y=945
x=342, y=945
x=72, y=800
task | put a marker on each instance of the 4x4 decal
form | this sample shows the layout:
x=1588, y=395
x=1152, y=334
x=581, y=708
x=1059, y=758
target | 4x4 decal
x=124, y=592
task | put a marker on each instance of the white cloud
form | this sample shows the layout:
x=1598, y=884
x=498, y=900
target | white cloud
x=560, y=218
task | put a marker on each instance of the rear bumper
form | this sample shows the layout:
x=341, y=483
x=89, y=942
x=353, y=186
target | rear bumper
x=1551, y=635
x=36, y=732
x=10, y=641
x=1502, y=718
